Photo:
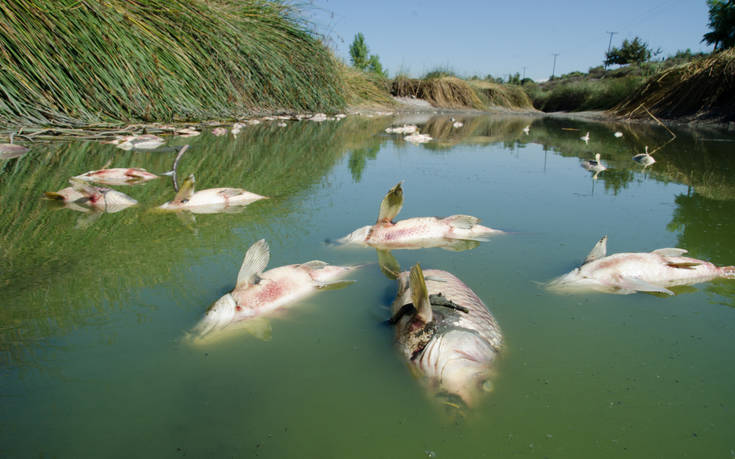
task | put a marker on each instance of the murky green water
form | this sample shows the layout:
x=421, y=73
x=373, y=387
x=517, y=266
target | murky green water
x=93, y=308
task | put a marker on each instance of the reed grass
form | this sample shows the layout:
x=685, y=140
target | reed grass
x=76, y=62
x=701, y=89
x=444, y=92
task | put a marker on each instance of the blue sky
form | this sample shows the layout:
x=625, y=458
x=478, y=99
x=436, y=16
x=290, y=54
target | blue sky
x=487, y=37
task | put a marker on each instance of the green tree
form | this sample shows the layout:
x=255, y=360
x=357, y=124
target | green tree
x=359, y=52
x=631, y=52
x=375, y=66
x=721, y=24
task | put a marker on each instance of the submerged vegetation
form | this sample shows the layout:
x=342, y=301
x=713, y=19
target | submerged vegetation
x=70, y=63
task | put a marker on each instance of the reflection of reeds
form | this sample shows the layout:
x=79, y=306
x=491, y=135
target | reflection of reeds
x=67, y=62
x=43, y=257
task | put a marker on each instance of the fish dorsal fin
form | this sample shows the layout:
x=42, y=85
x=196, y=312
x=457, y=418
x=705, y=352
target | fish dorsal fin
x=186, y=190
x=391, y=205
x=670, y=252
x=462, y=221
x=83, y=187
x=598, y=251
x=420, y=294
x=256, y=259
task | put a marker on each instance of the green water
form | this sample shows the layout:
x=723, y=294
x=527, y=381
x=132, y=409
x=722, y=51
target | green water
x=93, y=310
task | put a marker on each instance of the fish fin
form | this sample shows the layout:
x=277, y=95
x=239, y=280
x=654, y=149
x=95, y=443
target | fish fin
x=435, y=279
x=255, y=262
x=54, y=195
x=670, y=252
x=639, y=285
x=314, y=264
x=259, y=327
x=683, y=264
x=83, y=187
x=420, y=294
x=388, y=264
x=334, y=285
x=598, y=251
x=391, y=205
x=186, y=190
x=462, y=221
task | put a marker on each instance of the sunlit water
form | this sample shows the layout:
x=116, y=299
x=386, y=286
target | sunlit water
x=94, y=308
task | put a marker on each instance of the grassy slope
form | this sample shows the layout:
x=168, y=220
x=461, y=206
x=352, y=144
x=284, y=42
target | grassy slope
x=66, y=62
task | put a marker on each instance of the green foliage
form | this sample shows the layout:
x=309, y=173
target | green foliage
x=75, y=63
x=375, y=66
x=578, y=95
x=359, y=52
x=440, y=72
x=631, y=52
x=721, y=24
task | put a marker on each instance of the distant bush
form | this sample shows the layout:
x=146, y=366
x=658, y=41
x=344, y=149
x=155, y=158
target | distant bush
x=440, y=72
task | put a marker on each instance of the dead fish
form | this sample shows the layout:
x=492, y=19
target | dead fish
x=187, y=132
x=138, y=142
x=94, y=197
x=417, y=138
x=594, y=165
x=220, y=131
x=118, y=176
x=258, y=292
x=209, y=201
x=446, y=334
x=625, y=273
x=585, y=138
x=644, y=158
x=415, y=233
x=405, y=129
x=11, y=150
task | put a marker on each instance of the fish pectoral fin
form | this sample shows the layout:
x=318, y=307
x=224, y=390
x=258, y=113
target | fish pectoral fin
x=334, y=285
x=670, y=252
x=639, y=285
x=683, y=264
x=391, y=204
x=420, y=294
x=54, y=195
x=83, y=187
x=255, y=262
x=462, y=221
x=186, y=190
x=598, y=251
x=460, y=245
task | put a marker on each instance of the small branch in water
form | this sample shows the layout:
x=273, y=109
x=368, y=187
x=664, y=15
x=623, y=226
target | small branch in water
x=176, y=163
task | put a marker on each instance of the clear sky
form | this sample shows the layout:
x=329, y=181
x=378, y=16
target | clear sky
x=475, y=37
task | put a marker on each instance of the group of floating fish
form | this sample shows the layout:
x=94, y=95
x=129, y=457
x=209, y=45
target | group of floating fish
x=442, y=328
x=595, y=165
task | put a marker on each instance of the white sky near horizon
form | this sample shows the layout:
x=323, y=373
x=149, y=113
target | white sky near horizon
x=475, y=37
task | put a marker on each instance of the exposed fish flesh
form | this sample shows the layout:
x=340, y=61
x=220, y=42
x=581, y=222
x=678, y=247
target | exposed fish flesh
x=446, y=334
x=212, y=200
x=258, y=292
x=419, y=232
x=625, y=273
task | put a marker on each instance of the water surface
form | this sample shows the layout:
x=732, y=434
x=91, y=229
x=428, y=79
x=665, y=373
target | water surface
x=94, y=307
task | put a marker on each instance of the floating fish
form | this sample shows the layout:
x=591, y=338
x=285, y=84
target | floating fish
x=594, y=165
x=457, y=124
x=618, y=134
x=527, y=129
x=209, y=201
x=258, y=292
x=419, y=232
x=94, y=197
x=219, y=131
x=446, y=334
x=585, y=138
x=11, y=150
x=405, y=129
x=118, y=176
x=138, y=142
x=625, y=273
x=187, y=132
x=418, y=138
x=644, y=158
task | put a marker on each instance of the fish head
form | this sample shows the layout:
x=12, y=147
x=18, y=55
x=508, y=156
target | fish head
x=218, y=316
x=574, y=281
x=357, y=237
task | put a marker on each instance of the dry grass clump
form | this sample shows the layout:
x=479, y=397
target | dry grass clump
x=365, y=89
x=702, y=89
x=443, y=92
x=502, y=95
x=70, y=62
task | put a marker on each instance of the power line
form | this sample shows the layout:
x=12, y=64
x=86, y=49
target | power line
x=554, y=68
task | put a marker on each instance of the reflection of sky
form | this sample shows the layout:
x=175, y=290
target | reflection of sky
x=481, y=37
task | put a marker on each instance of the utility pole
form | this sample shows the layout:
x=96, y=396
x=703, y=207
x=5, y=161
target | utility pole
x=554, y=69
x=609, y=44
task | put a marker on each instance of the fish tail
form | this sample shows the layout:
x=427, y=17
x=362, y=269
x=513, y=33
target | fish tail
x=728, y=272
